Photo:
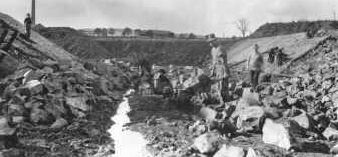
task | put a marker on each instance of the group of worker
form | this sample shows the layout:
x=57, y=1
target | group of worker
x=220, y=71
x=277, y=56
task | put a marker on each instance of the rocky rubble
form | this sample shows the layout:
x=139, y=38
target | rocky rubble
x=51, y=105
x=297, y=114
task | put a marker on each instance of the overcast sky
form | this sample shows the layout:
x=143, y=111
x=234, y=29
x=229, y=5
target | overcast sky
x=197, y=16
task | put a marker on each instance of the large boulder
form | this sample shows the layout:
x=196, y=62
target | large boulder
x=250, y=118
x=280, y=134
x=59, y=123
x=38, y=115
x=230, y=151
x=207, y=143
x=304, y=121
x=35, y=87
x=208, y=113
x=78, y=102
x=251, y=98
x=330, y=133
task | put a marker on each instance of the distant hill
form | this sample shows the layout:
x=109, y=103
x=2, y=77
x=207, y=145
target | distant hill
x=74, y=42
x=274, y=29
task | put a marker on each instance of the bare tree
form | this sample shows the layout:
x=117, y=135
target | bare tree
x=243, y=26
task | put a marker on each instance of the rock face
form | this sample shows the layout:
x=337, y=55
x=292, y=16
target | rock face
x=207, y=143
x=276, y=134
x=230, y=151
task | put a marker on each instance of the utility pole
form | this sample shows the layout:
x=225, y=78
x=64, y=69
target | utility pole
x=33, y=12
x=334, y=15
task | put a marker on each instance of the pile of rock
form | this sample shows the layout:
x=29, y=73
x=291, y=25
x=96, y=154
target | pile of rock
x=54, y=96
x=298, y=113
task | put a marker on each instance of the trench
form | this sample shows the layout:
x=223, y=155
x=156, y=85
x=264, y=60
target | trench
x=127, y=143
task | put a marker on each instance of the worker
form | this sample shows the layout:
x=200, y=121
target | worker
x=255, y=65
x=163, y=85
x=281, y=57
x=219, y=69
x=28, y=25
x=272, y=55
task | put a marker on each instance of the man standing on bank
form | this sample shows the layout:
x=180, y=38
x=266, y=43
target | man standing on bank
x=28, y=25
x=219, y=69
x=255, y=66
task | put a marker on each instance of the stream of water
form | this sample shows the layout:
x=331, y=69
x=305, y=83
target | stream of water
x=127, y=143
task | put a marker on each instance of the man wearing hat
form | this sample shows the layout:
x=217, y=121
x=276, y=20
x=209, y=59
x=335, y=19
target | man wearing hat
x=219, y=69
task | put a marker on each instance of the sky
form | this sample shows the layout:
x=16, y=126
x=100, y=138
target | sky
x=180, y=16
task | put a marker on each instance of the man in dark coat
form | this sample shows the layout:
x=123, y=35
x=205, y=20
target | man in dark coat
x=28, y=25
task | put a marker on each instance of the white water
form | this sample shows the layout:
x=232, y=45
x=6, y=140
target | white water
x=127, y=143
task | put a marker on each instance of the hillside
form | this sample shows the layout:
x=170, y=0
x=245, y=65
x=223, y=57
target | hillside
x=74, y=42
x=274, y=29
x=295, y=46
x=162, y=52
x=48, y=100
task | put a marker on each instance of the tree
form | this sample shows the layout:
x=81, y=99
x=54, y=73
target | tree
x=98, y=31
x=104, y=32
x=111, y=31
x=127, y=31
x=138, y=32
x=243, y=26
x=192, y=36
